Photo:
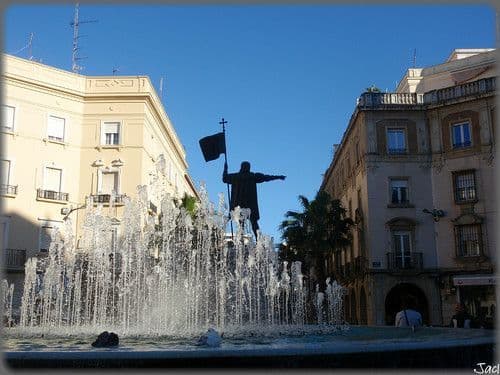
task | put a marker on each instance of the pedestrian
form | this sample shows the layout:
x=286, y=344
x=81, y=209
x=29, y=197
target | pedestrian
x=461, y=319
x=408, y=316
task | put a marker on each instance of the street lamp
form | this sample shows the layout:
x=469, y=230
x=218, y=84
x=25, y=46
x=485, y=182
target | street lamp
x=436, y=214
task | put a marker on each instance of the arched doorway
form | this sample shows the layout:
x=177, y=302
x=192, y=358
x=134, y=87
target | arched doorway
x=394, y=299
x=363, y=314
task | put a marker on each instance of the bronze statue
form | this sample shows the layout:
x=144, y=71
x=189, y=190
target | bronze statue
x=244, y=190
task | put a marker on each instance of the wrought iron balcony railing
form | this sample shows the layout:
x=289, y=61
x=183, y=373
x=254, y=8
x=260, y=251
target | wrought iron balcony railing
x=8, y=189
x=396, y=151
x=408, y=261
x=53, y=195
x=14, y=259
x=462, y=144
x=106, y=198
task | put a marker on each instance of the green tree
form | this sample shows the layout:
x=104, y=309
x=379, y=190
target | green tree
x=188, y=202
x=372, y=88
x=320, y=229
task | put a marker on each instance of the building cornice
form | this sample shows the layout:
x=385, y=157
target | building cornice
x=90, y=88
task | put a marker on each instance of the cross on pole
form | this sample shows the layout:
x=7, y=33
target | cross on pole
x=223, y=123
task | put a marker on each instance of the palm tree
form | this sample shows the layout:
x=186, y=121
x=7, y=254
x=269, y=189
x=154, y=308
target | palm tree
x=311, y=235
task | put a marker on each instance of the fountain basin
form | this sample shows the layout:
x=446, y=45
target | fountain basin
x=357, y=347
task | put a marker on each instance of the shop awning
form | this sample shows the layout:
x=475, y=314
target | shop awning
x=474, y=280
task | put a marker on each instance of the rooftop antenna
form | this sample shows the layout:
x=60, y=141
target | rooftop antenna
x=161, y=88
x=29, y=46
x=76, y=23
x=115, y=70
x=414, y=58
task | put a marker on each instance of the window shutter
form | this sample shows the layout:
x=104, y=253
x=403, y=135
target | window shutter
x=5, y=165
x=55, y=128
x=8, y=117
x=109, y=183
x=52, y=179
x=110, y=128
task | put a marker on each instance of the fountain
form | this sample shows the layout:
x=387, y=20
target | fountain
x=169, y=277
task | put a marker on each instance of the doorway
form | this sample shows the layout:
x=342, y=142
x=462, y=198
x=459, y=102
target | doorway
x=394, y=299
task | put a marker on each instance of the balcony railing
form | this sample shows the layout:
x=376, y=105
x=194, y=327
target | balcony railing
x=375, y=99
x=398, y=261
x=481, y=86
x=14, y=259
x=52, y=195
x=396, y=151
x=106, y=198
x=8, y=189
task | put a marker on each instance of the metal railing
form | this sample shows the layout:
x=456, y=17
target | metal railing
x=53, y=195
x=106, y=198
x=396, y=151
x=375, y=99
x=14, y=259
x=481, y=86
x=398, y=261
x=8, y=189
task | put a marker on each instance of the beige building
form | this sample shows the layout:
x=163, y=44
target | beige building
x=401, y=169
x=66, y=137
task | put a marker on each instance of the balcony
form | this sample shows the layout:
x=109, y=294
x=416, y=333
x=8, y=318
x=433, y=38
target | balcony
x=476, y=88
x=397, y=151
x=379, y=99
x=52, y=195
x=14, y=259
x=106, y=198
x=397, y=262
x=8, y=189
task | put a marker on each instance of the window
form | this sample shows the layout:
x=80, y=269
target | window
x=402, y=248
x=461, y=135
x=399, y=191
x=53, y=179
x=55, y=128
x=8, y=114
x=110, y=133
x=465, y=186
x=468, y=240
x=396, y=141
x=5, y=166
x=109, y=183
x=47, y=232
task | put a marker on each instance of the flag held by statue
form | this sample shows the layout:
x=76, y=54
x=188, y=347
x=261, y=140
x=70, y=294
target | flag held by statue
x=212, y=146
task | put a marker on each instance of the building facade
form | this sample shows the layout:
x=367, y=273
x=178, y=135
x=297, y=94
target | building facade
x=67, y=137
x=414, y=170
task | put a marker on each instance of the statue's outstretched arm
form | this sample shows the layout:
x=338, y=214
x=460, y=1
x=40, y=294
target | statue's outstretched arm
x=260, y=177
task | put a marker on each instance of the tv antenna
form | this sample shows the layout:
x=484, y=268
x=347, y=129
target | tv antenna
x=29, y=46
x=76, y=23
x=161, y=88
x=116, y=70
x=414, y=58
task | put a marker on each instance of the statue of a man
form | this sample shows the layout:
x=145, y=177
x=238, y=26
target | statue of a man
x=244, y=190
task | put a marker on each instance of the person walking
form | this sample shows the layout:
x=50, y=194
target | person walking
x=408, y=316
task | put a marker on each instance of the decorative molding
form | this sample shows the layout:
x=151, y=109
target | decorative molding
x=113, y=83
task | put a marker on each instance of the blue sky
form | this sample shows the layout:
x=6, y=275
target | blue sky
x=286, y=78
